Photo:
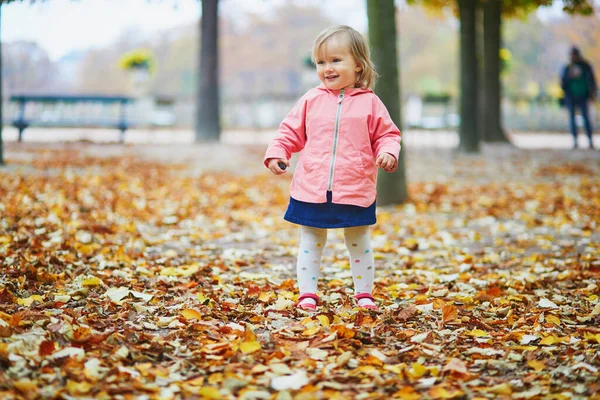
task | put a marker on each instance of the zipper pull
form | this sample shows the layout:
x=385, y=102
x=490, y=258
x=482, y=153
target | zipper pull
x=341, y=96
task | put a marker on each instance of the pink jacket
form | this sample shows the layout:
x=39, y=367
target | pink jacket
x=341, y=134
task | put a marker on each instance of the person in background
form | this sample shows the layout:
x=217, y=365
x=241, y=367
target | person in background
x=579, y=85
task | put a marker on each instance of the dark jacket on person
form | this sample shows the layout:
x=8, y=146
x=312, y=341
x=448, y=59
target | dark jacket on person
x=578, y=81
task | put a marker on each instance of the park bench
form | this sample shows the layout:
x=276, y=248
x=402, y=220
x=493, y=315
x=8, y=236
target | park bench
x=71, y=111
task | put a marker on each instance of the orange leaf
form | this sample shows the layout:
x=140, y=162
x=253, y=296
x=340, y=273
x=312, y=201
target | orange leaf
x=46, y=348
x=449, y=313
x=191, y=314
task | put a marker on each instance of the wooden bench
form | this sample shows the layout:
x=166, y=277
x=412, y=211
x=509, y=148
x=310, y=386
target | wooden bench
x=71, y=111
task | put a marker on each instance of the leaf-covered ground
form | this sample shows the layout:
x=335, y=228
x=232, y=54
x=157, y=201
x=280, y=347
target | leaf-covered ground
x=123, y=277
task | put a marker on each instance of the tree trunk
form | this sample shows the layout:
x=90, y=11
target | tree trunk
x=480, y=72
x=208, y=127
x=492, y=37
x=1, y=96
x=391, y=188
x=468, y=135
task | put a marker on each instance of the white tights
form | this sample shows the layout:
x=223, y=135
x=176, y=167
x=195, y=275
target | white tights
x=362, y=263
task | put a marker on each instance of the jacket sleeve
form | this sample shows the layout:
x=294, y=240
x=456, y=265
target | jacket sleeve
x=385, y=135
x=563, y=79
x=291, y=136
x=592, y=80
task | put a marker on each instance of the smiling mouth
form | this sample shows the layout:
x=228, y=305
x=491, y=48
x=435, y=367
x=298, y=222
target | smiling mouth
x=331, y=77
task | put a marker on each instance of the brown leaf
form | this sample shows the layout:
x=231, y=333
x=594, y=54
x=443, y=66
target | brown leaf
x=449, y=313
x=7, y=297
x=46, y=348
x=406, y=313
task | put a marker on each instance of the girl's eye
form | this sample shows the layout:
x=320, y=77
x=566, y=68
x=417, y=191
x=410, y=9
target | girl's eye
x=320, y=63
x=336, y=60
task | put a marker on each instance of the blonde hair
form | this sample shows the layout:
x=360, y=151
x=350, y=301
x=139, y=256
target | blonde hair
x=359, y=48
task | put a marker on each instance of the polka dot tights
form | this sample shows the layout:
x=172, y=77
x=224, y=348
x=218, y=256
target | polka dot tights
x=358, y=243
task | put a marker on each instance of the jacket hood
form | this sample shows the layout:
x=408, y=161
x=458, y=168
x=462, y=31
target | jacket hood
x=347, y=92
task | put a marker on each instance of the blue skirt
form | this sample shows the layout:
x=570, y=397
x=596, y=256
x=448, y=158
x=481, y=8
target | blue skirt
x=329, y=215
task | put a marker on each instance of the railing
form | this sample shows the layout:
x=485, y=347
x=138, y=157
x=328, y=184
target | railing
x=70, y=110
x=266, y=112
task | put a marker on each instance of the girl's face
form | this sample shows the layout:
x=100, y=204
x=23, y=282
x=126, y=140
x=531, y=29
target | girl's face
x=336, y=67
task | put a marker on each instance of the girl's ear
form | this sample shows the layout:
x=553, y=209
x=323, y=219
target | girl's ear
x=358, y=68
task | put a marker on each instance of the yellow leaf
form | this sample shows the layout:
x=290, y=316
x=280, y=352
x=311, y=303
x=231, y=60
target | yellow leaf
x=265, y=296
x=78, y=388
x=191, y=314
x=27, y=302
x=590, y=337
x=25, y=385
x=203, y=299
x=184, y=270
x=524, y=348
x=477, y=333
x=553, y=319
x=407, y=393
x=323, y=320
x=536, y=364
x=92, y=282
x=311, y=331
x=215, y=378
x=548, y=340
x=249, y=347
x=209, y=393
x=503, y=388
x=441, y=393
x=418, y=370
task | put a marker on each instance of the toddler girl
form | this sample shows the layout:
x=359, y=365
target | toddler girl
x=345, y=133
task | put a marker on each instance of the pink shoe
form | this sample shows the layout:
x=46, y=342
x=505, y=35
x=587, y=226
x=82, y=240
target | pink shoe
x=308, y=306
x=367, y=296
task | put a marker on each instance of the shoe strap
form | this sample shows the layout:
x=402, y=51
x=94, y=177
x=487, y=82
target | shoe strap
x=308, y=296
x=364, y=296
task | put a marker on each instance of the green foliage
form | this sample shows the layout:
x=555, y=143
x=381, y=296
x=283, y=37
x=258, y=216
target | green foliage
x=505, y=61
x=515, y=8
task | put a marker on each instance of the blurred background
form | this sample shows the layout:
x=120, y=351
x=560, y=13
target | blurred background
x=63, y=47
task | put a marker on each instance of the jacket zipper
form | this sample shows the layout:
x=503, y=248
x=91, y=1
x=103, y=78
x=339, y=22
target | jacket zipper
x=335, y=139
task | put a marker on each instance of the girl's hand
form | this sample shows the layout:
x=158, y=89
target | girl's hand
x=274, y=167
x=387, y=162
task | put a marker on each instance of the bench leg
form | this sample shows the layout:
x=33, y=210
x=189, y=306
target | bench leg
x=21, y=134
x=122, y=136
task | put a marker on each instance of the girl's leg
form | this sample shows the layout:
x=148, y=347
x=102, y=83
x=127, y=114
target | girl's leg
x=362, y=262
x=312, y=242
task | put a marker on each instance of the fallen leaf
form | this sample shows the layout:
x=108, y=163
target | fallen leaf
x=449, y=313
x=545, y=303
x=295, y=381
x=191, y=314
x=537, y=365
x=29, y=300
x=457, y=368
